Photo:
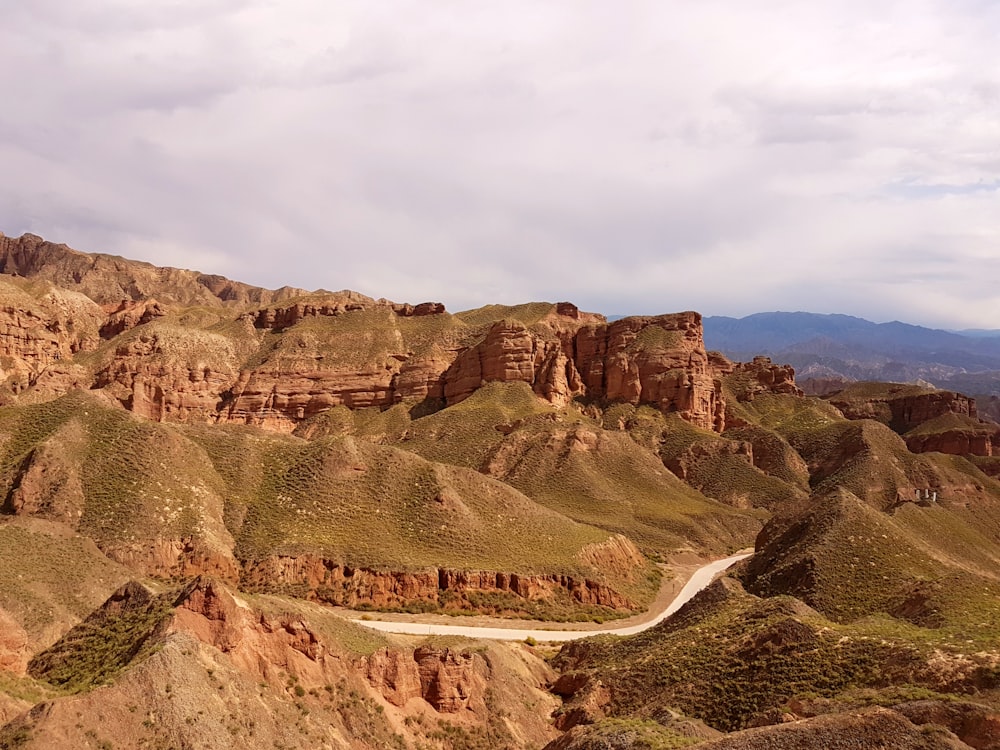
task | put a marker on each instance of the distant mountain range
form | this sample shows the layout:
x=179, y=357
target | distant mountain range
x=828, y=348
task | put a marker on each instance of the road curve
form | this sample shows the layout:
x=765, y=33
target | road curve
x=701, y=578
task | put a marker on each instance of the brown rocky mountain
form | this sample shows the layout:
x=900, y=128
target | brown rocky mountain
x=276, y=358
x=195, y=473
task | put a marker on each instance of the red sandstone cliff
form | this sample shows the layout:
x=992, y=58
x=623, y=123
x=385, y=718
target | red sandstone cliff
x=344, y=585
x=260, y=368
x=901, y=407
x=657, y=360
x=929, y=420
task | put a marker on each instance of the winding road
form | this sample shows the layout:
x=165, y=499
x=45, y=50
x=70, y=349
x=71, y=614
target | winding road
x=699, y=580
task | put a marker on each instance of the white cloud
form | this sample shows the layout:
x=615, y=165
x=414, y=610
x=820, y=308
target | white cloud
x=645, y=156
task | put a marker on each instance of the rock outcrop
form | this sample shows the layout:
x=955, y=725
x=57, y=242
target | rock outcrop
x=342, y=585
x=763, y=376
x=929, y=420
x=900, y=407
x=42, y=332
x=14, y=645
x=976, y=725
x=443, y=677
x=659, y=361
x=978, y=440
x=129, y=314
x=564, y=354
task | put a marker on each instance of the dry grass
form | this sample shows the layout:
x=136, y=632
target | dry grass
x=528, y=314
x=52, y=577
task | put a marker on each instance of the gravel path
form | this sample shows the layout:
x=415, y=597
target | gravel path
x=699, y=580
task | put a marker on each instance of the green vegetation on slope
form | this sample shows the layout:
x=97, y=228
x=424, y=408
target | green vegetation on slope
x=51, y=577
x=569, y=463
x=119, y=479
x=125, y=481
x=729, y=656
x=97, y=649
x=528, y=314
x=364, y=504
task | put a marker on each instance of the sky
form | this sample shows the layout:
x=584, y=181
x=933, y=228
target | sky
x=633, y=157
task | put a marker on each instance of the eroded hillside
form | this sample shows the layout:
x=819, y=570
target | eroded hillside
x=197, y=473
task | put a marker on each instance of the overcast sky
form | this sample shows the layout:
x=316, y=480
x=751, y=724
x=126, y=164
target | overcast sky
x=633, y=157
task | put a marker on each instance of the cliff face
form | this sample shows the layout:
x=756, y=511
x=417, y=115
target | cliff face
x=659, y=361
x=763, y=376
x=347, y=586
x=210, y=669
x=930, y=421
x=276, y=358
x=957, y=442
x=445, y=678
x=904, y=410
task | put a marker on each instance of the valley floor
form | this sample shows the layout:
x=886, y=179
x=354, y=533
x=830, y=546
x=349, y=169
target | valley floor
x=676, y=591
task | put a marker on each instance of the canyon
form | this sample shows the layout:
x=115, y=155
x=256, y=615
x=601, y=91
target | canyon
x=198, y=476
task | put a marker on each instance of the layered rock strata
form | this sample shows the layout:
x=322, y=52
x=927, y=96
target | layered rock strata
x=563, y=354
x=343, y=585
x=977, y=440
x=906, y=411
x=443, y=677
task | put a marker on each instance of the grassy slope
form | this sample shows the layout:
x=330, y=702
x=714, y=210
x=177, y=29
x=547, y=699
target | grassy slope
x=528, y=313
x=189, y=339
x=949, y=422
x=867, y=390
x=728, y=656
x=375, y=505
x=359, y=339
x=140, y=479
x=52, y=577
x=732, y=477
x=95, y=651
x=922, y=564
x=569, y=463
x=857, y=547
x=338, y=497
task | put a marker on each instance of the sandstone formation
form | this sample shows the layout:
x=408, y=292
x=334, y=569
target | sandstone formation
x=978, y=440
x=39, y=333
x=660, y=361
x=900, y=407
x=929, y=420
x=14, y=645
x=618, y=554
x=443, y=677
x=974, y=724
x=763, y=376
x=237, y=374
x=201, y=667
x=343, y=585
